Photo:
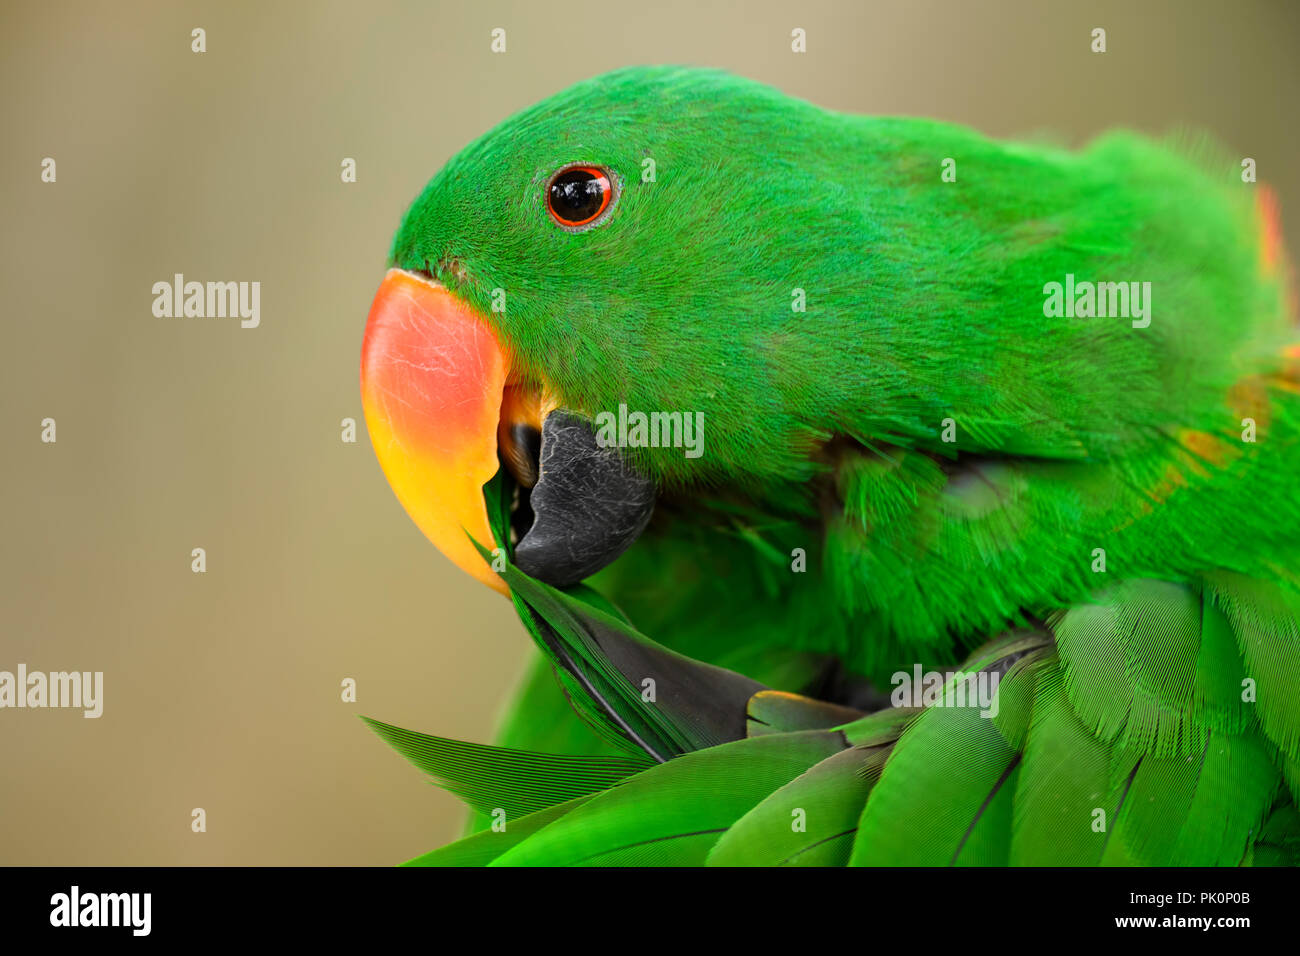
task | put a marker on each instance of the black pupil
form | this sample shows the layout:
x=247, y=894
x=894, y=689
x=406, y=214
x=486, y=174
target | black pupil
x=576, y=195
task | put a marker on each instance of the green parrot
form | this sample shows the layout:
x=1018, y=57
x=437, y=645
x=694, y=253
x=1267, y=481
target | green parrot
x=874, y=492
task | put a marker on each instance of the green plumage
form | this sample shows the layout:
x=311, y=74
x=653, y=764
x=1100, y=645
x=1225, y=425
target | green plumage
x=1112, y=529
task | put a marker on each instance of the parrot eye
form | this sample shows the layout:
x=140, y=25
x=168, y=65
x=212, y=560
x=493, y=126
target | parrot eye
x=579, y=195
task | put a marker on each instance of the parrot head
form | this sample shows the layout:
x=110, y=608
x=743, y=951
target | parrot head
x=863, y=345
x=616, y=246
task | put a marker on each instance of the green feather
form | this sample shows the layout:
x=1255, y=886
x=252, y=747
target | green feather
x=674, y=813
x=1235, y=789
x=1016, y=697
x=1266, y=619
x=1218, y=694
x=775, y=712
x=1139, y=673
x=482, y=848
x=1203, y=810
x=1148, y=807
x=882, y=727
x=1064, y=781
x=609, y=663
x=540, y=718
x=1279, y=841
x=811, y=821
x=1291, y=773
x=491, y=778
x=943, y=774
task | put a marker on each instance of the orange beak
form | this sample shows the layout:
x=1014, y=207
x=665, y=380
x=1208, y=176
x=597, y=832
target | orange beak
x=433, y=375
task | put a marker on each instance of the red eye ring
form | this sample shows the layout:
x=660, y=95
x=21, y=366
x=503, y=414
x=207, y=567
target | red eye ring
x=578, y=195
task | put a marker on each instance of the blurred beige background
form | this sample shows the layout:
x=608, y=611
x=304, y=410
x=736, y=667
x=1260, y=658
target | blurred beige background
x=223, y=689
